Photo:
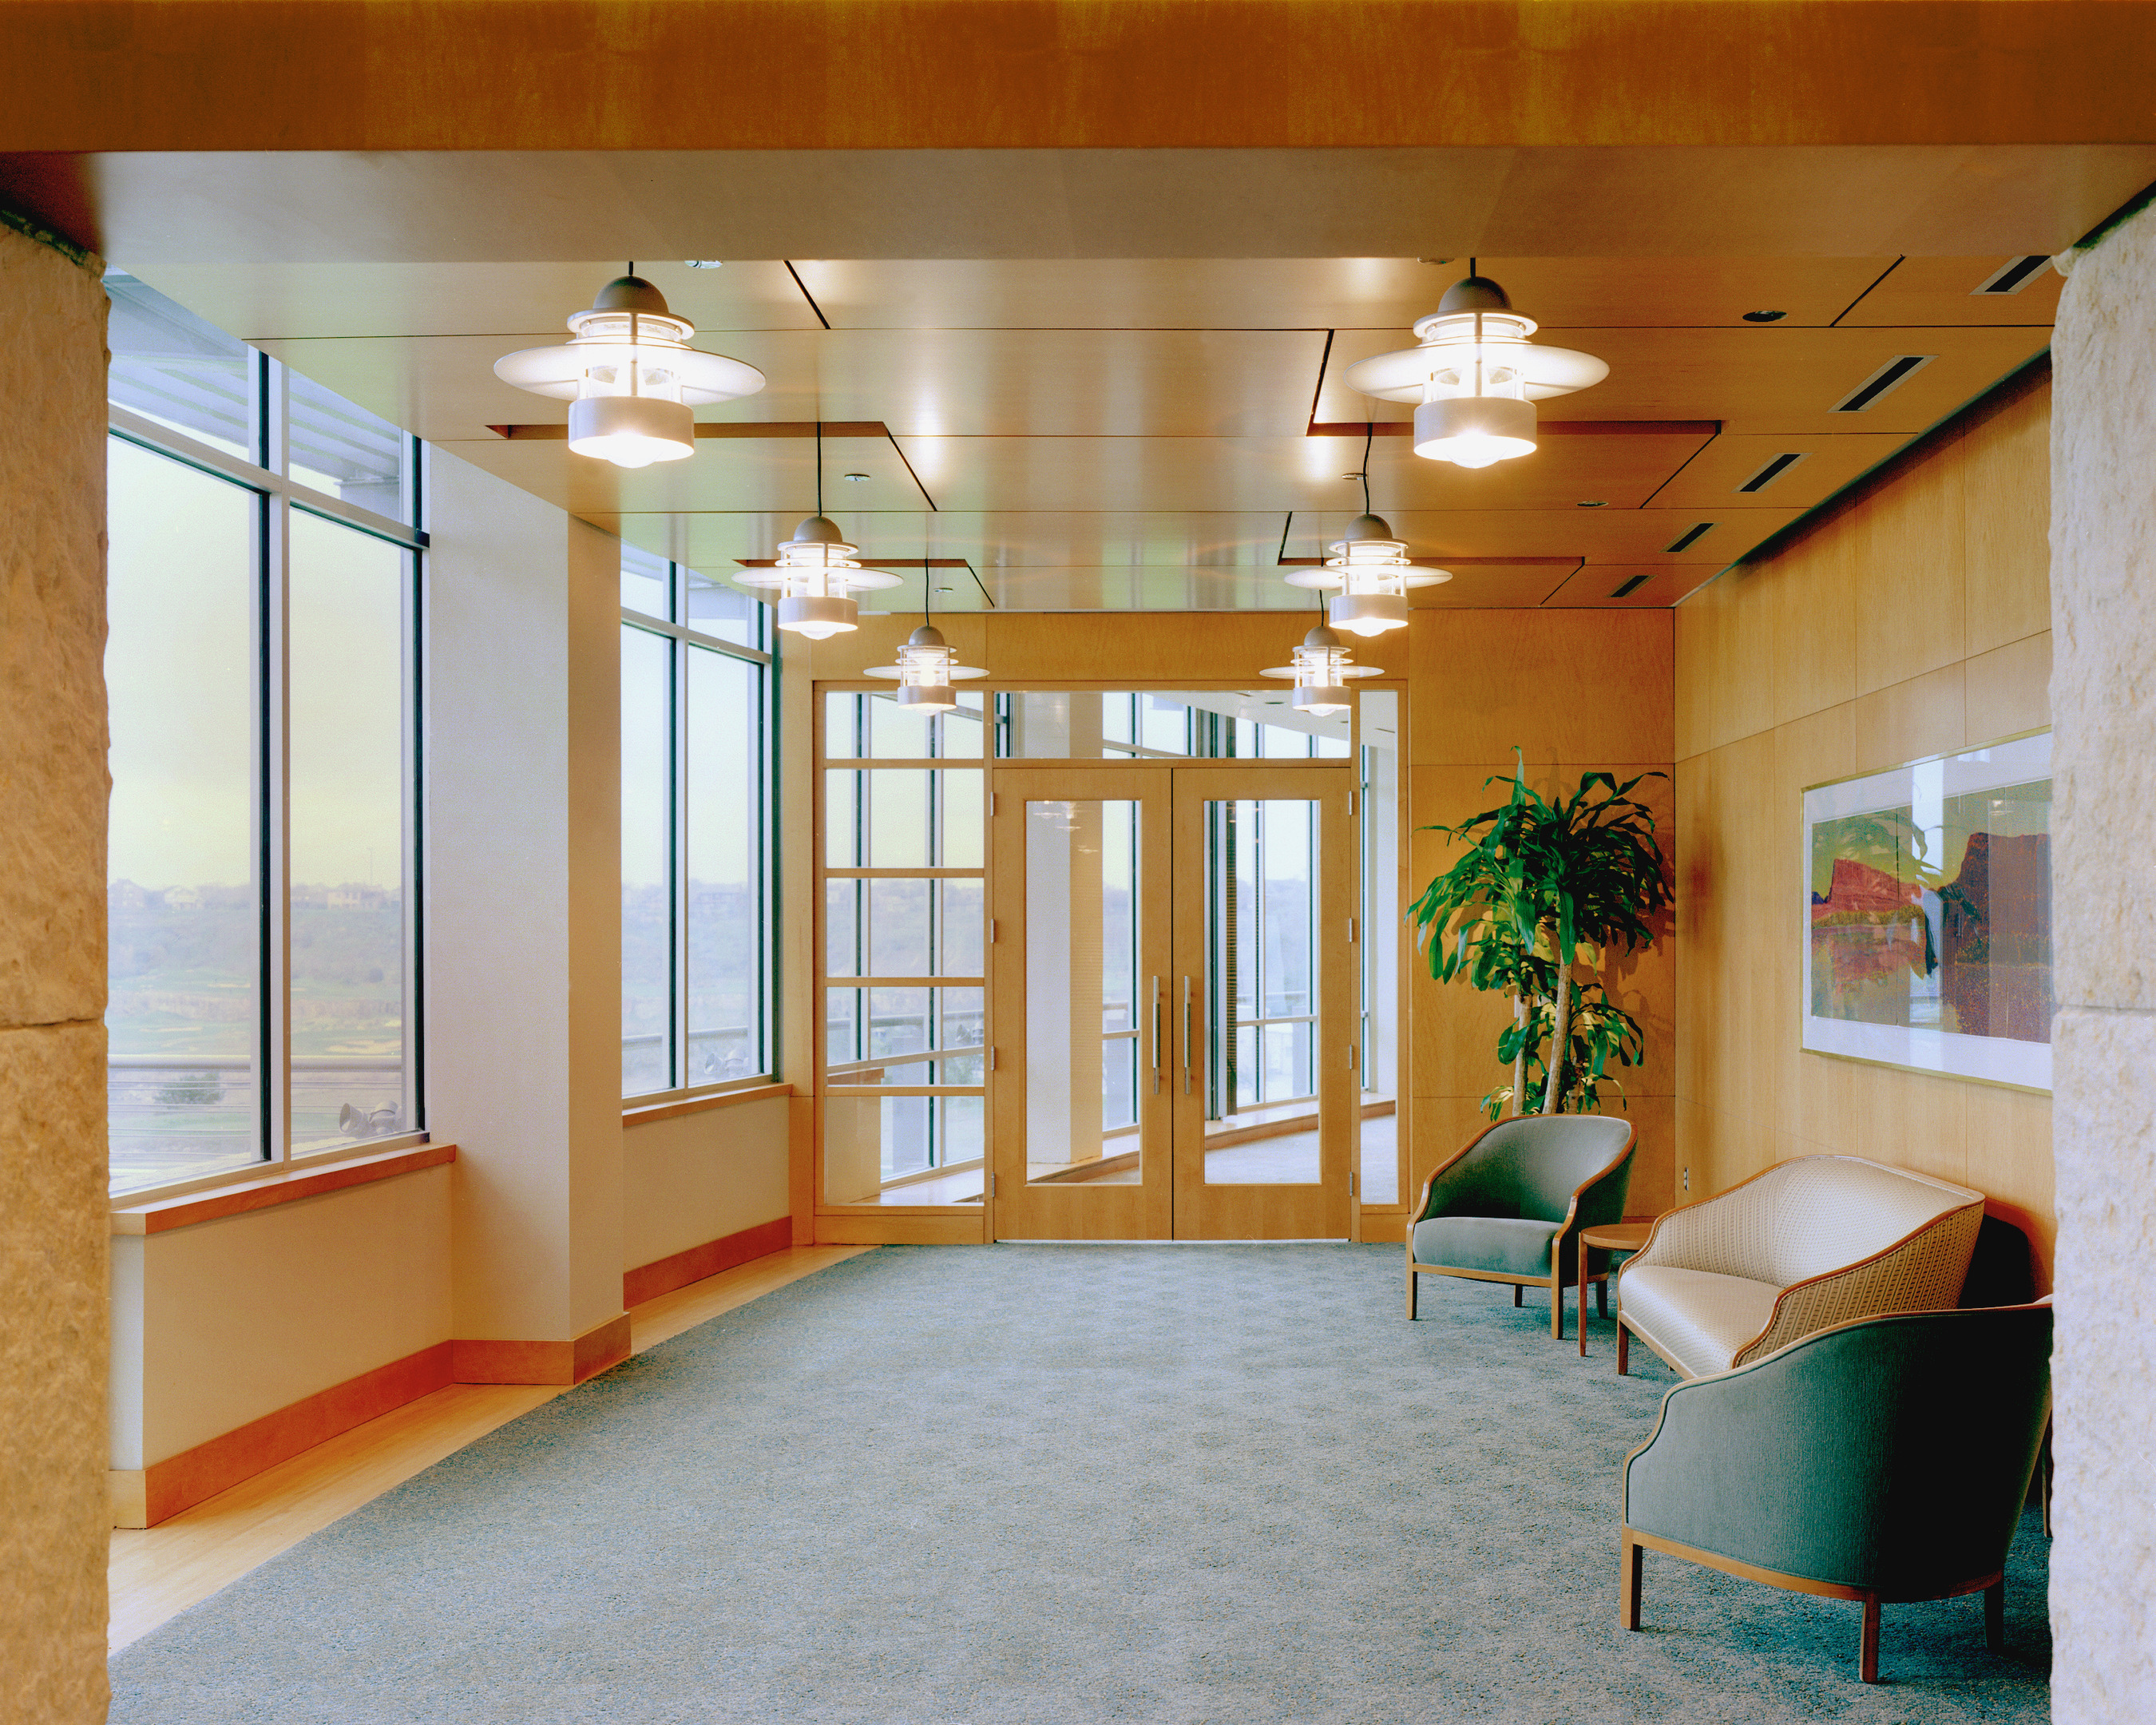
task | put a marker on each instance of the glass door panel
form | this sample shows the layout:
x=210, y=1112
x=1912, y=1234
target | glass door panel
x=1266, y=889
x=1082, y=950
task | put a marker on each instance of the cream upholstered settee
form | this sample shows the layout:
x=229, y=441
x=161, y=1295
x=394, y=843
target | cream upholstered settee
x=1817, y=1241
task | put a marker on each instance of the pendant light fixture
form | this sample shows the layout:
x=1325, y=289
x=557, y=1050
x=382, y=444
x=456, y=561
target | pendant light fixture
x=817, y=573
x=927, y=665
x=631, y=375
x=1476, y=377
x=1369, y=572
x=1324, y=665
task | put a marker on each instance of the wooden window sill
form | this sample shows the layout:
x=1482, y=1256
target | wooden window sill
x=162, y=1215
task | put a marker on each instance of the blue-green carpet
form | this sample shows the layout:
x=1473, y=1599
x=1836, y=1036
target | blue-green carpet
x=1058, y=1483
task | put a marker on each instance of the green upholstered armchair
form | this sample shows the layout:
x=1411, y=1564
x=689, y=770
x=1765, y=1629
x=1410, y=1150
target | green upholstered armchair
x=1509, y=1204
x=1887, y=1459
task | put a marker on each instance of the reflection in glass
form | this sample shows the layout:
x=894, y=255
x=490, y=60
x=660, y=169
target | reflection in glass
x=181, y=1020
x=1378, y=809
x=1262, y=1000
x=725, y=613
x=647, y=584
x=348, y=710
x=1207, y=724
x=1086, y=1023
x=170, y=366
x=339, y=448
x=902, y=818
x=903, y=1037
x=867, y=726
x=647, y=873
x=724, y=984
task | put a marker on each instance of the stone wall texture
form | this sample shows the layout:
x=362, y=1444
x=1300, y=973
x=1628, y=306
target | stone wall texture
x=53, y=788
x=2104, y=608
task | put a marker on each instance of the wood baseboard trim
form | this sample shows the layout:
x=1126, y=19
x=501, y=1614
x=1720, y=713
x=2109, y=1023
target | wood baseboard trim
x=492, y=1361
x=163, y=1489
x=662, y=1276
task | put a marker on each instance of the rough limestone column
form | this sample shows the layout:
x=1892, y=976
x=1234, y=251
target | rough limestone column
x=2103, y=703
x=53, y=787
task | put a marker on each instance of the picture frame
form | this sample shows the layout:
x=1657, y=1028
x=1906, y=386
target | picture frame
x=1926, y=929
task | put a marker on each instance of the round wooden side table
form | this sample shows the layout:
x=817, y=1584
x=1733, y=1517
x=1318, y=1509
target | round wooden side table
x=1611, y=1237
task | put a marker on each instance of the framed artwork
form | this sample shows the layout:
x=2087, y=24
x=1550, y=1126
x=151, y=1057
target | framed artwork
x=1927, y=914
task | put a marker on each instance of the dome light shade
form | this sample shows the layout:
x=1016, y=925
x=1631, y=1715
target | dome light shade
x=926, y=669
x=1324, y=665
x=1370, y=572
x=1475, y=376
x=633, y=376
x=816, y=575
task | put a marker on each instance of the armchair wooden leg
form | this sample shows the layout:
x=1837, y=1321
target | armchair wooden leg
x=1995, y=1615
x=1411, y=1294
x=1630, y=1562
x=1868, y=1643
x=1517, y=1289
x=1557, y=1307
x=1623, y=1346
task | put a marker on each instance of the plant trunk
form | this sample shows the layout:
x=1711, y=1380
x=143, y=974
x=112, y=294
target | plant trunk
x=1560, y=1040
x=1520, y=1009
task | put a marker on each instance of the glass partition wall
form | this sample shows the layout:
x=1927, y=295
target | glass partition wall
x=905, y=909
x=261, y=662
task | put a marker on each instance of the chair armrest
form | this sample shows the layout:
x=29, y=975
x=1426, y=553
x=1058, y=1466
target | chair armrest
x=1922, y=1271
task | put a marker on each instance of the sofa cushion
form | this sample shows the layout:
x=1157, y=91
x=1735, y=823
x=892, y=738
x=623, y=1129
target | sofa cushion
x=1509, y=1246
x=1699, y=1319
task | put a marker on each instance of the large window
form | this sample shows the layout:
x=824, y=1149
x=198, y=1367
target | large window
x=697, y=777
x=260, y=659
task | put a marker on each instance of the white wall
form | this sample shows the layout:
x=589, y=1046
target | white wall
x=221, y=1322
x=2104, y=635
x=523, y=884
x=699, y=1178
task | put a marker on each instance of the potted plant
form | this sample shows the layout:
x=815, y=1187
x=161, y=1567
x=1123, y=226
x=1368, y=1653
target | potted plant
x=1545, y=885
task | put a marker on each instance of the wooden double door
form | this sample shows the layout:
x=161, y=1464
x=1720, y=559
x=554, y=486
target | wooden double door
x=1175, y=1005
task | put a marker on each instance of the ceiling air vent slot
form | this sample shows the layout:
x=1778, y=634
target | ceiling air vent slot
x=1892, y=375
x=1772, y=471
x=1637, y=580
x=2013, y=278
x=1685, y=538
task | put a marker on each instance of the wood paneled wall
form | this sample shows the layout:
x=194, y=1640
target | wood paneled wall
x=1575, y=691
x=1911, y=618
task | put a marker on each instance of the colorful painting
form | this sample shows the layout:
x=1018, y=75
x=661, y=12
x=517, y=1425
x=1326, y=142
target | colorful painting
x=1927, y=914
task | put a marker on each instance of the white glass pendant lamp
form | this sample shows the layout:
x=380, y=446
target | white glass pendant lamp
x=927, y=665
x=817, y=575
x=630, y=376
x=1324, y=665
x=1370, y=573
x=1475, y=378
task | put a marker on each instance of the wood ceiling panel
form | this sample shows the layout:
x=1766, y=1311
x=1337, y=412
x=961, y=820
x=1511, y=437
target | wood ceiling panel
x=1768, y=378
x=1710, y=479
x=1320, y=293
x=1619, y=472
x=1614, y=535
x=973, y=383
x=1660, y=584
x=261, y=302
x=774, y=477
x=1934, y=292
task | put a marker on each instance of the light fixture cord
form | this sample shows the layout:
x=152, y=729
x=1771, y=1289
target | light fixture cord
x=1369, y=434
x=819, y=467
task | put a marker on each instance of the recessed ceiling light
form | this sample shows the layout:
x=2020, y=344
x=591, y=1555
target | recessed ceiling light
x=944, y=589
x=1351, y=475
x=702, y=263
x=1764, y=316
x=1593, y=503
x=857, y=477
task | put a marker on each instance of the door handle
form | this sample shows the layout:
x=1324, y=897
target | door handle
x=1156, y=1035
x=1185, y=1036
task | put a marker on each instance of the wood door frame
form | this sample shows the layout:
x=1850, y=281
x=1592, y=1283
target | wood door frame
x=1024, y=1209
